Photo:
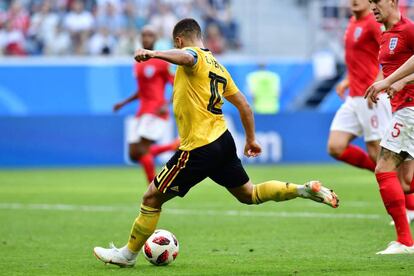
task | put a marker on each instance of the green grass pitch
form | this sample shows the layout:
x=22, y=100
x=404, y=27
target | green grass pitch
x=51, y=220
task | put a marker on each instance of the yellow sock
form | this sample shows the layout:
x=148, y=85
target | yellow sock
x=274, y=190
x=143, y=227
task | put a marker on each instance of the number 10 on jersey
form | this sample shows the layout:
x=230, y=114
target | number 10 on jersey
x=215, y=98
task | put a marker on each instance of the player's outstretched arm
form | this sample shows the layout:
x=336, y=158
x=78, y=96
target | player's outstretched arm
x=128, y=100
x=175, y=56
x=252, y=148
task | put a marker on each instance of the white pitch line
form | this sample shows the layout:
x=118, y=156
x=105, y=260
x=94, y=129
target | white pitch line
x=188, y=212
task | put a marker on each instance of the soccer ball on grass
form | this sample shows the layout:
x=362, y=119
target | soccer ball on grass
x=161, y=248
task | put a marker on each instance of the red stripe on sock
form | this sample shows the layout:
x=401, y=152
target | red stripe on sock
x=394, y=201
x=357, y=157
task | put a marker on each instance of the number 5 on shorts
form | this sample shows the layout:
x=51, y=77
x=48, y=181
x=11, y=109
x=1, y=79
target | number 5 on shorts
x=396, y=130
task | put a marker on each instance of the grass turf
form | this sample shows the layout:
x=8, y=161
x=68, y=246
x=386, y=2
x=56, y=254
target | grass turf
x=51, y=220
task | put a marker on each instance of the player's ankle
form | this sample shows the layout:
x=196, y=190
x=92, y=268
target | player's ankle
x=127, y=253
x=301, y=191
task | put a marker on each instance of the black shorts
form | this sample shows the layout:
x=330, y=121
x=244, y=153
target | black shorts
x=217, y=160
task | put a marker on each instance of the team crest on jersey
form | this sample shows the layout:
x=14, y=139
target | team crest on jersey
x=357, y=33
x=149, y=71
x=393, y=44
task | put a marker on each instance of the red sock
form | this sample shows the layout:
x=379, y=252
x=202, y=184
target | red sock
x=357, y=157
x=393, y=198
x=158, y=149
x=409, y=202
x=147, y=162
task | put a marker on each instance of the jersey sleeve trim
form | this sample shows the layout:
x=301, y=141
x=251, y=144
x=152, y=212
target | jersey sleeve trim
x=194, y=54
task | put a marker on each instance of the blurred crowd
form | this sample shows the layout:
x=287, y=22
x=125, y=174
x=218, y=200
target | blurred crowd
x=107, y=27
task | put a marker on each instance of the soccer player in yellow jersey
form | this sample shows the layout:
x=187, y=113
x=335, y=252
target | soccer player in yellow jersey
x=207, y=148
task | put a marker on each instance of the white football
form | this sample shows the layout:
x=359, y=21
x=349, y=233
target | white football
x=161, y=248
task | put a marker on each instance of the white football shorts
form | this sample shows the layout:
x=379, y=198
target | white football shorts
x=399, y=137
x=146, y=126
x=356, y=118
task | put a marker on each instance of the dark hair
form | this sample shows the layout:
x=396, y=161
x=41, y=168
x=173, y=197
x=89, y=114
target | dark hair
x=187, y=27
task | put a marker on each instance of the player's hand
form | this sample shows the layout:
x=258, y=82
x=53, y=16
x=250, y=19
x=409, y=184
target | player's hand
x=252, y=149
x=376, y=88
x=117, y=107
x=341, y=88
x=395, y=88
x=143, y=55
x=370, y=103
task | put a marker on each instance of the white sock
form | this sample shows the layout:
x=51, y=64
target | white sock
x=128, y=253
x=302, y=192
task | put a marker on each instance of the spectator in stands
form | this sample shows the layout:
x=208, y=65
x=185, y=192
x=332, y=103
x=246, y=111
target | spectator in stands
x=164, y=21
x=79, y=23
x=12, y=40
x=219, y=12
x=89, y=5
x=17, y=17
x=132, y=18
x=143, y=9
x=128, y=43
x=42, y=24
x=58, y=42
x=214, y=41
x=110, y=19
x=102, y=42
x=54, y=20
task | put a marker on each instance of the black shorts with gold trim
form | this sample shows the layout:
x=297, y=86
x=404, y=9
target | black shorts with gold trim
x=217, y=160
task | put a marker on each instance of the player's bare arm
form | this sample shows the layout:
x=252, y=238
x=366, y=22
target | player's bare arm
x=399, y=85
x=128, y=100
x=252, y=148
x=175, y=56
x=342, y=87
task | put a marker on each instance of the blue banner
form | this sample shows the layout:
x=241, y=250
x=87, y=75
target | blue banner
x=100, y=140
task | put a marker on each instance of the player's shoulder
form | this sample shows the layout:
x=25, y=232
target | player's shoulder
x=406, y=27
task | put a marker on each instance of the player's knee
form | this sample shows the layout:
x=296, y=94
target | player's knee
x=335, y=149
x=133, y=155
x=245, y=199
x=381, y=167
x=141, y=151
x=150, y=199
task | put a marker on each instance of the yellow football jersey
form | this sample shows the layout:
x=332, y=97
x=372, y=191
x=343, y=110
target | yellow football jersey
x=197, y=99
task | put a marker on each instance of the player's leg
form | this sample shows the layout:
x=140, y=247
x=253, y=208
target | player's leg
x=157, y=149
x=145, y=158
x=393, y=197
x=143, y=227
x=139, y=146
x=344, y=128
x=183, y=171
x=339, y=147
x=231, y=174
x=150, y=129
x=281, y=191
x=405, y=175
x=373, y=150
